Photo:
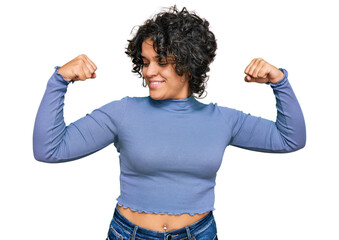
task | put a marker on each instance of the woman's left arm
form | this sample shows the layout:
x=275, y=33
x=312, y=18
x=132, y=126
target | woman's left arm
x=288, y=132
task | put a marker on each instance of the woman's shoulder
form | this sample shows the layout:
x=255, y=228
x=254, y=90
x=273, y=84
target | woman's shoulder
x=218, y=107
x=227, y=112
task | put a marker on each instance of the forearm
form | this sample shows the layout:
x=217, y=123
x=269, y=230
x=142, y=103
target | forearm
x=290, y=120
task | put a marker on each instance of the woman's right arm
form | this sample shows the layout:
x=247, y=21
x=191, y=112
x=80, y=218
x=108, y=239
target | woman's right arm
x=53, y=141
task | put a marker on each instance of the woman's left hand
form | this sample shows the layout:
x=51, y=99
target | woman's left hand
x=261, y=71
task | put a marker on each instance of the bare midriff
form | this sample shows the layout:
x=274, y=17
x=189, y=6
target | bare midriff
x=160, y=222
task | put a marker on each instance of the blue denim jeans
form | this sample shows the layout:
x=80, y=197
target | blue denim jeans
x=123, y=229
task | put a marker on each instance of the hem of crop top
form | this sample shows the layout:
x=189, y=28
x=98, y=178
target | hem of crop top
x=179, y=212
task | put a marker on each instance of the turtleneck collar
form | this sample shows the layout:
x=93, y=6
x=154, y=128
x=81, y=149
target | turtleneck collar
x=176, y=105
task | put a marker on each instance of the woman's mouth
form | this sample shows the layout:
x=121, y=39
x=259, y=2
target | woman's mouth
x=155, y=84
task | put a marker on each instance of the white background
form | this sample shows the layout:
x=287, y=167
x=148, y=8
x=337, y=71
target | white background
x=258, y=195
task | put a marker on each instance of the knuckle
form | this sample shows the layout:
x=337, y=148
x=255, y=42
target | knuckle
x=81, y=57
x=79, y=61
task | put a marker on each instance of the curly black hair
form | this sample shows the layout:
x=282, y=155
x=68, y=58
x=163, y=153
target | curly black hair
x=182, y=34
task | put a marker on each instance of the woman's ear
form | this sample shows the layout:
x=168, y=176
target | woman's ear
x=186, y=77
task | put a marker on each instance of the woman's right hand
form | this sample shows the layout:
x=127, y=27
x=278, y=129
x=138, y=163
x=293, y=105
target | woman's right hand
x=80, y=68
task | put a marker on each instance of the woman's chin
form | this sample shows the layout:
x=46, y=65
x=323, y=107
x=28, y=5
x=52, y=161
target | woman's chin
x=156, y=95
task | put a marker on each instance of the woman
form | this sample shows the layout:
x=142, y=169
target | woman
x=170, y=144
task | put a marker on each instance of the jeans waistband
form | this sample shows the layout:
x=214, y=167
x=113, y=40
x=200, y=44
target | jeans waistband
x=180, y=233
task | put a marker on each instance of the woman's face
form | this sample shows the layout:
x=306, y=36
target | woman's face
x=162, y=80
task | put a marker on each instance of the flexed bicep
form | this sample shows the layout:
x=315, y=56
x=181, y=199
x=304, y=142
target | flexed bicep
x=286, y=134
x=53, y=141
x=258, y=134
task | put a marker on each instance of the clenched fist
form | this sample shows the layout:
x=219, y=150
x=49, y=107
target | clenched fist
x=80, y=68
x=262, y=72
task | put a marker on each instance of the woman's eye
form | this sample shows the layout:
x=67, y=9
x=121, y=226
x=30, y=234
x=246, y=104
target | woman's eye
x=162, y=63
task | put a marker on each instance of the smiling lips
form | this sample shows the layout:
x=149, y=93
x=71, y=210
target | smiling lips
x=155, y=84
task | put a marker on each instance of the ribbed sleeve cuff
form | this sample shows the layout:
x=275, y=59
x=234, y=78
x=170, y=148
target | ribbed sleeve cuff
x=282, y=81
x=60, y=77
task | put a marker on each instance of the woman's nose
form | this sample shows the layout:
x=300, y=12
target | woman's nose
x=152, y=70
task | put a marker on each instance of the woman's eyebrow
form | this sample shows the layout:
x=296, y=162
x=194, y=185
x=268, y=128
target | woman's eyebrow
x=156, y=57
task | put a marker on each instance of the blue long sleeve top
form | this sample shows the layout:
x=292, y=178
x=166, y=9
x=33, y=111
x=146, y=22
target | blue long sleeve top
x=170, y=150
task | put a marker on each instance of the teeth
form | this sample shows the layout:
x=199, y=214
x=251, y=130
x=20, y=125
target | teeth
x=156, y=82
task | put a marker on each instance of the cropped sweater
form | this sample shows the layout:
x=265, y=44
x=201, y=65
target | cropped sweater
x=169, y=150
